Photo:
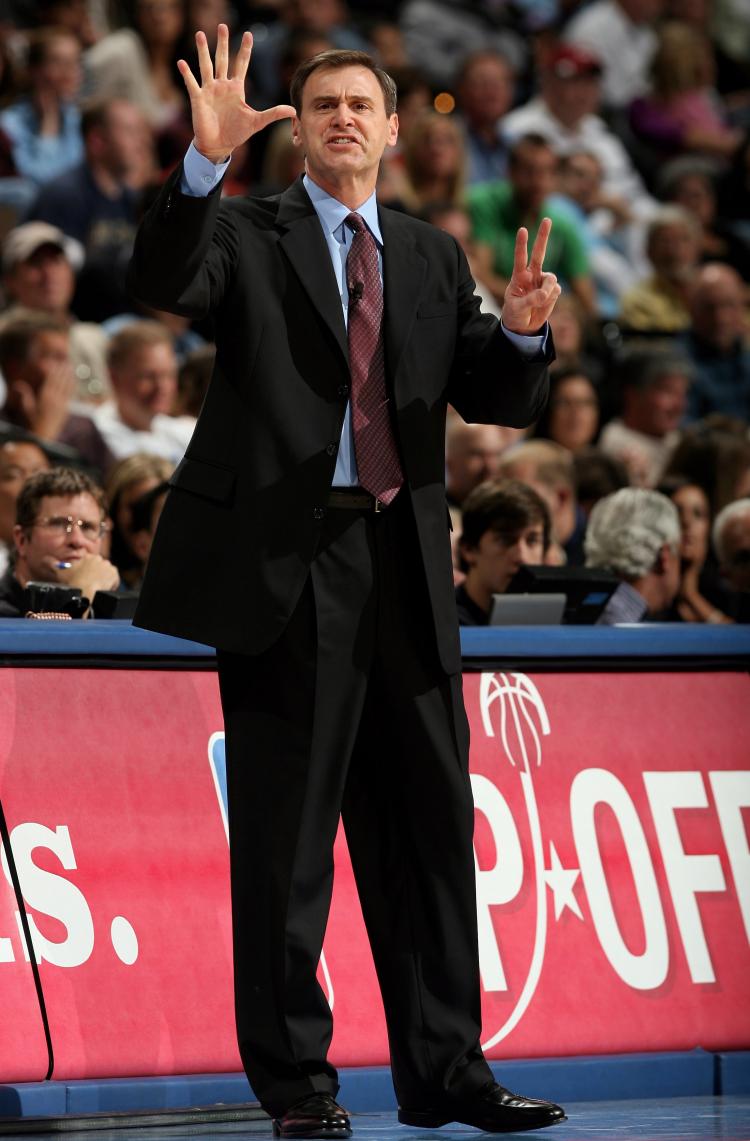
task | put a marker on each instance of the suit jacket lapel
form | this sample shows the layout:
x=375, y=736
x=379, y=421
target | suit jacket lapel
x=305, y=246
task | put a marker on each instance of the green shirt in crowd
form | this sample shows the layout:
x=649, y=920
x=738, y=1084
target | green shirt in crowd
x=495, y=220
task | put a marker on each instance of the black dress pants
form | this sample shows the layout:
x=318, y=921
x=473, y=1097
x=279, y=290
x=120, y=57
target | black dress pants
x=349, y=714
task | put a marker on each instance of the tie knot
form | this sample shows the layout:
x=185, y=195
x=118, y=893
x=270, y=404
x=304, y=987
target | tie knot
x=354, y=222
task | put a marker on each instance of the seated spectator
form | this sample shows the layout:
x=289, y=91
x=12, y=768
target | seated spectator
x=44, y=127
x=20, y=457
x=96, y=202
x=660, y=303
x=39, y=264
x=506, y=525
x=548, y=468
x=731, y=539
x=129, y=481
x=60, y=525
x=484, y=89
x=696, y=577
x=635, y=534
x=613, y=238
x=143, y=372
x=138, y=63
x=565, y=114
x=717, y=344
x=715, y=455
x=622, y=34
x=499, y=208
x=691, y=183
x=571, y=417
x=328, y=19
x=654, y=387
x=40, y=385
x=682, y=112
x=597, y=475
x=440, y=33
x=434, y=162
x=472, y=455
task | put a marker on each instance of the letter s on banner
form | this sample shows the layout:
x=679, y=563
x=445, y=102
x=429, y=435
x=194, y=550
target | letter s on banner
x=590, y=788
x=52, y=895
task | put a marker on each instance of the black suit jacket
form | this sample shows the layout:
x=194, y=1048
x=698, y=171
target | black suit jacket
x=244, y=517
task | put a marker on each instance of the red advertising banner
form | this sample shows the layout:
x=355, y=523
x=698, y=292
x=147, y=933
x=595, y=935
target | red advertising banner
x=613, y=871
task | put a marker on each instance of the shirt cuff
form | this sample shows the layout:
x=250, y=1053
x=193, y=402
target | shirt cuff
x=199, y=174
x=529, y=346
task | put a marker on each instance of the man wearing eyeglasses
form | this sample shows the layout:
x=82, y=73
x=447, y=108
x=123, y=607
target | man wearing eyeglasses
x=60, y=525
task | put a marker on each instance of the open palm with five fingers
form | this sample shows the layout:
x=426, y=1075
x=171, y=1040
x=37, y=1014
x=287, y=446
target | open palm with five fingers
x=531, y=293
x=222, y=120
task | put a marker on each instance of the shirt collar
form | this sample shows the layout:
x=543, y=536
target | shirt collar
x=332, y=213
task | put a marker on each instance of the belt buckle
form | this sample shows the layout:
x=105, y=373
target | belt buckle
x=378, y=506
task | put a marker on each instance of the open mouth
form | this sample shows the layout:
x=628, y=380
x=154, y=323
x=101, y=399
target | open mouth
x=343, y=140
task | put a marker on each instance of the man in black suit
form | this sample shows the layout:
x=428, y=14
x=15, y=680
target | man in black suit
x=317, y=468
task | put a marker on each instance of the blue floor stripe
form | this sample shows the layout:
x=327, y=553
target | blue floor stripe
x=369, y=1090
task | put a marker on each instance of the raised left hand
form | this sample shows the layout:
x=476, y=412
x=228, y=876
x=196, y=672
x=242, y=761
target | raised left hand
x=531, y=293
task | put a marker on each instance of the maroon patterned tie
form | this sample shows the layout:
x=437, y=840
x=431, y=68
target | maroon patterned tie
x=374, y=444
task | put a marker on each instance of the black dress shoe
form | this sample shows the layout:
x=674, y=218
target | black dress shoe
x=493, y=1109
x=317, y=1115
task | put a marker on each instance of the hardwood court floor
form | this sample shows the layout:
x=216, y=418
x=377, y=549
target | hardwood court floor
x=676, y=1119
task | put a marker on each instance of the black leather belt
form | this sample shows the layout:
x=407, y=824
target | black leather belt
x=354, y=499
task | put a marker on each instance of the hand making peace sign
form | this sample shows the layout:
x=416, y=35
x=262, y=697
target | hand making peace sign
x=531, y=293
x=222, y=120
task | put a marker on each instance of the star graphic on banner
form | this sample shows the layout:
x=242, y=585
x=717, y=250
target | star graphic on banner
x=561, y=881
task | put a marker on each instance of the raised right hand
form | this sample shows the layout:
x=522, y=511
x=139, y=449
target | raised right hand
x=222, y=120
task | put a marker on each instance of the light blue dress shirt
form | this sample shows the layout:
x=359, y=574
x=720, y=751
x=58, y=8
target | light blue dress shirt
x=200, y=176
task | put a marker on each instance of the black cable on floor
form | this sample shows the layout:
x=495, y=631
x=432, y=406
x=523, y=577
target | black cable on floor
x=5, y=838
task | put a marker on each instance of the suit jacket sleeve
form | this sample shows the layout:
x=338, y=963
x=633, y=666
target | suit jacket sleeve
x=185, y=252
x=492, y=382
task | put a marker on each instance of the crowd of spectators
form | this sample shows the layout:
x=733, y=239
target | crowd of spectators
x=625, y=121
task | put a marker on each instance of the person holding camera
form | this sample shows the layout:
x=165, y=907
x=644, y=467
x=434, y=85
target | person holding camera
x=60, y=525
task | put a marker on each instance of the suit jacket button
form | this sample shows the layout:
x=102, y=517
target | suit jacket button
x=343, y=390
x=331, y=449
x=318, y=512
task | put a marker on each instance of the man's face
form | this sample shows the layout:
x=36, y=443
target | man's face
x=497, y=557
x=473, y=456
x=736, y=564
x=532, y=175
x=123, y=139
x=49, y=352
x=343, y=128
x=60, y=72
x=18, y=460
x=660, y=408
x=486, y=93
x=145, y=384
x=44, y=281
x=673, y=249
x=570, y=100
x=581, y=179
x=47, y=542
x=718, y=310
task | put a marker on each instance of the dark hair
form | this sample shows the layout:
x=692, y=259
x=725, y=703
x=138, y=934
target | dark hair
x=597, y=474
x=641, y=368
x=142, y=509
x=542, y=426
x=532, y=140
x=712, y=459
x=56, y=481
x=335, y=59
x=505, y=506
x=18, y=335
